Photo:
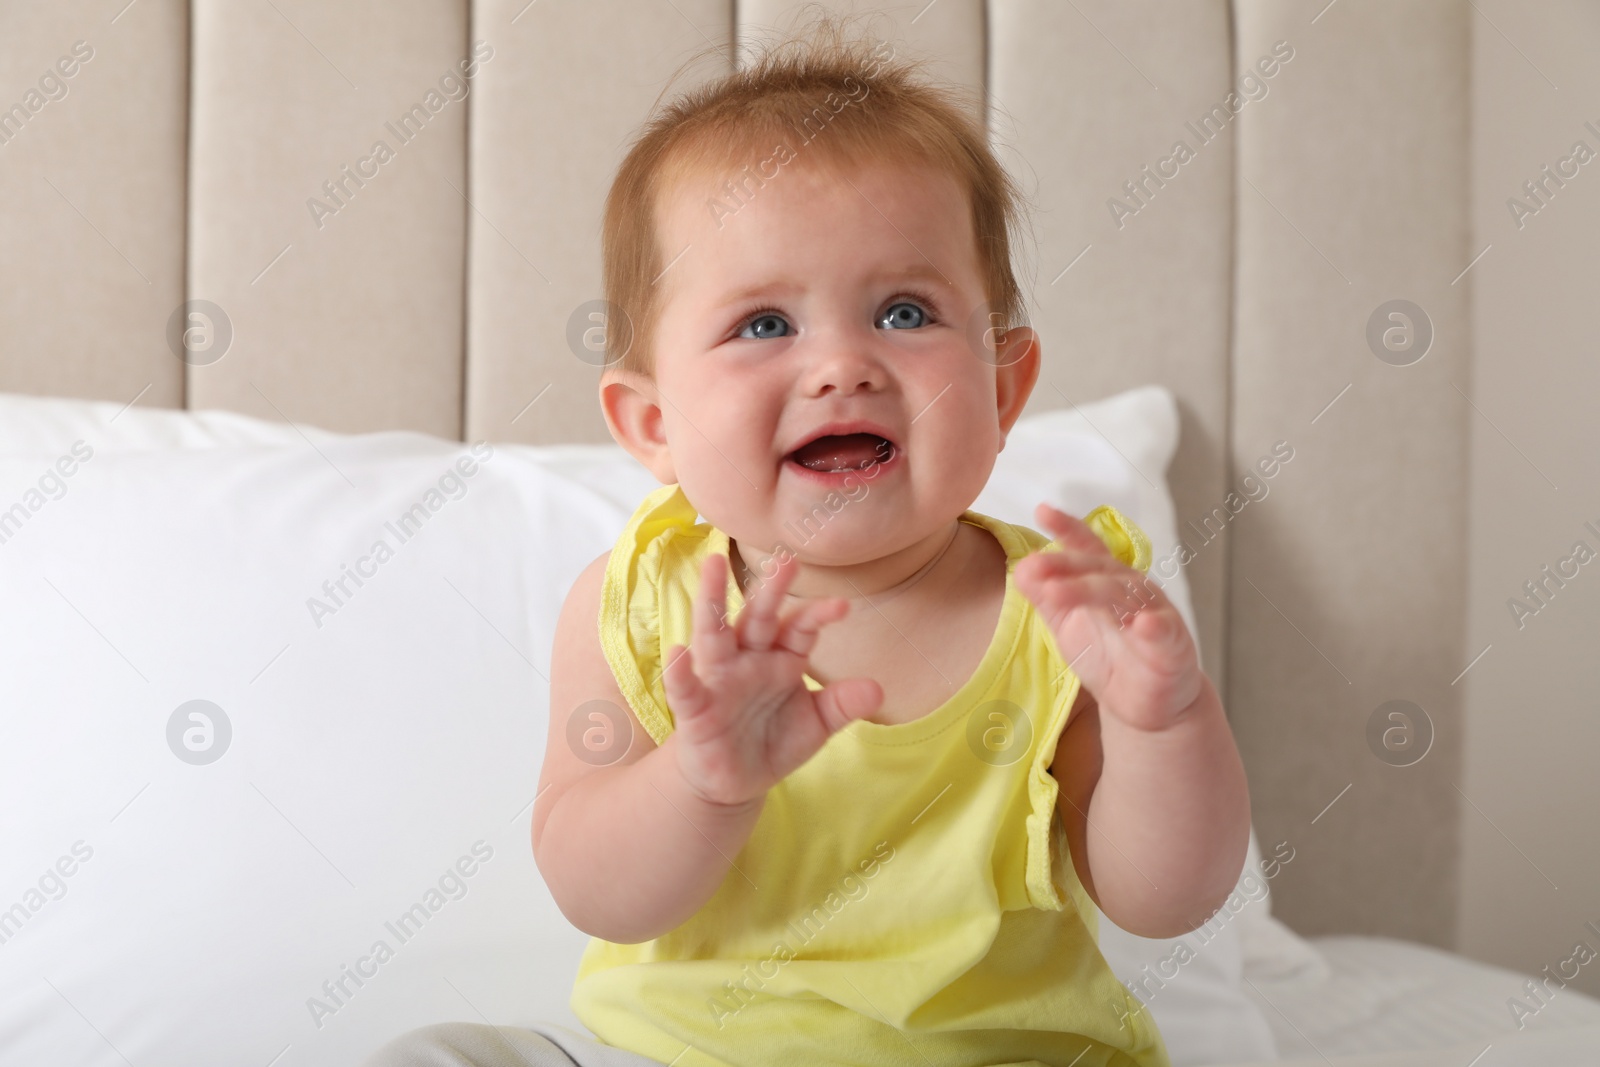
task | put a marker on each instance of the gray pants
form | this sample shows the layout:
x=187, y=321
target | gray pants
x=476, y=1045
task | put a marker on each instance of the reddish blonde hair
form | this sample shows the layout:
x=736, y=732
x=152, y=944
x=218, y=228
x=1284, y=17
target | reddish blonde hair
x=838, y=102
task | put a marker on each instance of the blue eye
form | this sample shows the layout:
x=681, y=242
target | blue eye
x=768, y=323
x=765, y=325
x=903, y=316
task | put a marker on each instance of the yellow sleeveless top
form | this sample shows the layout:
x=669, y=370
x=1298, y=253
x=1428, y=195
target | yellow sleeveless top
x=906, y=895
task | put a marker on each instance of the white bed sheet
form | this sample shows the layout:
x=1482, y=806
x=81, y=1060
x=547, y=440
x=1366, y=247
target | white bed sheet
x=1379, y=1002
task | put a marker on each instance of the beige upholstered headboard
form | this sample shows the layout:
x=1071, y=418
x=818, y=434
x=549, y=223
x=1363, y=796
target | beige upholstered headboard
x=225, y=152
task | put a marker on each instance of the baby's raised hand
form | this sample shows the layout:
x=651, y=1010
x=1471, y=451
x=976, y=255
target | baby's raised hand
x=1115, y=628
x=744, y=716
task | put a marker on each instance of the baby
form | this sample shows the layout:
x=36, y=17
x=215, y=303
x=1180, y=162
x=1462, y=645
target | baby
x=882, y=756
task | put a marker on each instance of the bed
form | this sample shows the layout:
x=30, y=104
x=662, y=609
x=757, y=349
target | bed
x=241, y=777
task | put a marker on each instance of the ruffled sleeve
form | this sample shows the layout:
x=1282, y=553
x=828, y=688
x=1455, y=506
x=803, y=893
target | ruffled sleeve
x=1049, y=866
x=630, y=603
x=1126, y=541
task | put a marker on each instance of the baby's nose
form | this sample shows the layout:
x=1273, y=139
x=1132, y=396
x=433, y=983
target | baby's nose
x=845, y=367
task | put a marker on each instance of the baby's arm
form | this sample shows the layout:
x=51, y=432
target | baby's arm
x=628, y=850
x=1152, y=790
x=1169, y=810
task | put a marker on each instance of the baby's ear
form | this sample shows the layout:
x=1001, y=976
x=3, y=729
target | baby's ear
x=1017, y=361
x=632, y=408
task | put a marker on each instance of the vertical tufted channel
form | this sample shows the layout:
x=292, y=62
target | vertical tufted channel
x=550, y=124
x=1348, y=583
x=327, y=212
x=92, y=186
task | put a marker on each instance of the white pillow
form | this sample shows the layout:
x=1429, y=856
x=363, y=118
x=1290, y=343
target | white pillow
x=208, y=904
x=47, y=425
x=382, y=750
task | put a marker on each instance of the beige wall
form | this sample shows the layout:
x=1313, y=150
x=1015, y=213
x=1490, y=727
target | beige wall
x=1530, y=870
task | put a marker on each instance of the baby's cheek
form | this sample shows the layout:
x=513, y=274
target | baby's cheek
x=719, y=485
x=961, y=462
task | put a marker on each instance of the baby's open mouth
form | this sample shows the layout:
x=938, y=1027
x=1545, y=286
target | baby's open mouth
x=843, y=452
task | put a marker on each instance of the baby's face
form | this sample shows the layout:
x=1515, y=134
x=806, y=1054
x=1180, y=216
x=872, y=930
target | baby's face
x=819, y=384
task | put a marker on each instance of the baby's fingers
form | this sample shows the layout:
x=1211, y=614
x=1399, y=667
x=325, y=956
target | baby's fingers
x=841, y=703
x=758, y=622
x=1065, y=563
x=1058, y=596
x=714, y=641
x=686, y=694
x=1038, y=572
x=798, y=633
x=1070, y=532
